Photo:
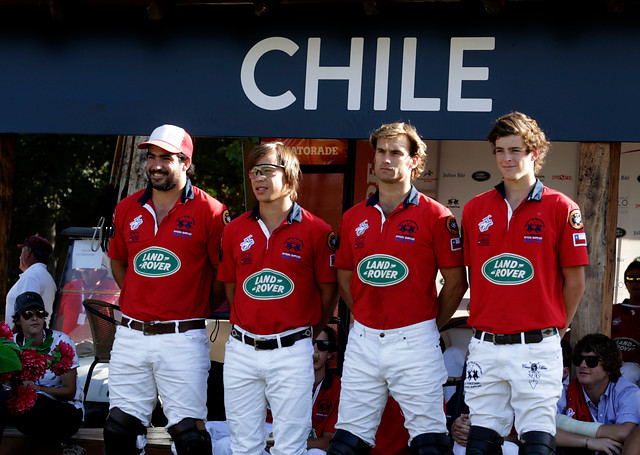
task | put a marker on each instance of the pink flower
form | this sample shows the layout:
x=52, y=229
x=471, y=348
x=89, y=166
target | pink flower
x=5, y=331
x=34, y=365
x=63, y=365
x=22, y=399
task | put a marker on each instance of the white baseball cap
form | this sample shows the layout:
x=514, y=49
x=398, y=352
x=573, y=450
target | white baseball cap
x=171, y=138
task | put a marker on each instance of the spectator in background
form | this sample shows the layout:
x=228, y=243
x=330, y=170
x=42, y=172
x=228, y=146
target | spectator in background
x=58, y=411
x=599, y=394
x=34, y=277
x=625, y=324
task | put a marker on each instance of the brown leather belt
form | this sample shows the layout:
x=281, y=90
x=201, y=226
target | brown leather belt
x=535, y=336
x=161, y=328
x=262, y=344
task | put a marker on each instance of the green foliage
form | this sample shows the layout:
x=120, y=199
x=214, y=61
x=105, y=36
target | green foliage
x=219, y=170
x=9, y=360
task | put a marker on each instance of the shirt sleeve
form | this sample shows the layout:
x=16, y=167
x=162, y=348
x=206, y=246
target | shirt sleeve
x=226, y=270
x=117, y=245
x=325, y=255
x=573, y=240
x=220, y=217
x=626, y=404
x=446, y=240
x=344, y=254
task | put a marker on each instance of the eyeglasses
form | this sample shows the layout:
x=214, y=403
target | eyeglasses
x=267, y=170
x=29, y=314
x=592, y=360
x=631, y=279
x=322, y=345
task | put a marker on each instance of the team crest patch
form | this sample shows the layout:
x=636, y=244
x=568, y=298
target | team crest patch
x=184, y=226
x=332, y=241
x=136, y=223
x=534, y=229
x=247, y=242
x=485, y=224
x=452, y=225
x=575, y=219
x=292, y=249
x=324, y=407
x=226, y=218
x=474, y=372
x=406, y=231
x=362, y=227
x=535, y=370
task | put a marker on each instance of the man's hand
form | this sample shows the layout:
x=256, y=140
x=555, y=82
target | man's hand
x=460, y=429
x=606, y=445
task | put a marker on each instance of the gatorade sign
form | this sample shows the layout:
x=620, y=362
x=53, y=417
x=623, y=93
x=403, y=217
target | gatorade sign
x=382, y=270
x=156, y=262
x=268, y=284
x=508, y=269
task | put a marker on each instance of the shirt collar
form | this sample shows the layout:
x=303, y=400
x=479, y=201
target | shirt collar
x=534, y=195
x=412, y=198
x=187, y=193
x=295, y=214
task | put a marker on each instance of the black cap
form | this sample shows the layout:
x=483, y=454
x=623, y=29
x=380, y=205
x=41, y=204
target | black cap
x=28, y=300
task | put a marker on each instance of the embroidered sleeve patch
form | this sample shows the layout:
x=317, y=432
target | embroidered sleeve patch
x=226, y=217
x=332, y=241
x=575, y=219
x=452, y=225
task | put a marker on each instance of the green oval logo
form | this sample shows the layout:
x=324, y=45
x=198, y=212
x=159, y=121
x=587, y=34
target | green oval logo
x=268, y=284
x=382, y=270
x=156, y=262
x=508, y=269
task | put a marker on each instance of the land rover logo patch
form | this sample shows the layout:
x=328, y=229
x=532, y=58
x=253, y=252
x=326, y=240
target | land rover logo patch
x=508, y=269
x=156, y=262
x=268, y=284
x=382, y=270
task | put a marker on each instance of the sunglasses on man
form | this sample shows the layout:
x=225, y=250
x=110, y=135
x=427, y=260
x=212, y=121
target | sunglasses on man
x=630, y=279
x=322, y=345
x=591, y=360
x=29, y=314
x=267, y=170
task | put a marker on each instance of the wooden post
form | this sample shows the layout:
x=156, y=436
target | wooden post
x=598, y=200
x=7, y=162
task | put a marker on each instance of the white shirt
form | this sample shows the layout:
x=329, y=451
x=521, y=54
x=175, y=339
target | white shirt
x=35, y=279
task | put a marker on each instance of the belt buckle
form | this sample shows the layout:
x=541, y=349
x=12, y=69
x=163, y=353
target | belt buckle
x=149, y=331
x=255, y=344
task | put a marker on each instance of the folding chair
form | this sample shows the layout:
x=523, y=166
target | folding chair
x=103, y=330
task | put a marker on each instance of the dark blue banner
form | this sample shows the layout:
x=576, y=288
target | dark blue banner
x=323, y=80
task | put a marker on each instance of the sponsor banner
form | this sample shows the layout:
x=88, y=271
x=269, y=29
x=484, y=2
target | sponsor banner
x=316, y=151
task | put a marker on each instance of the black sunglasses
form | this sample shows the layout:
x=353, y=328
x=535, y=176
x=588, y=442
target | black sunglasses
x=592, y=360
x=29, y=314
x=323, y=345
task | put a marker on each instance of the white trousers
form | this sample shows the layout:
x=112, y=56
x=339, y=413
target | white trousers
x=283, y=377
x=520, y=379
x=406, y=362
x=174, y=366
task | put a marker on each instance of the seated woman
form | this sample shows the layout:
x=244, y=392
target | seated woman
x=58, y=411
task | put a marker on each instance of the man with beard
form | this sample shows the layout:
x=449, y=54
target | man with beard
x=164, y=256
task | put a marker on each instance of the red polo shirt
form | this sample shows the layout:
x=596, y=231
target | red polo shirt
x=395, y=259
x=276, y=275
x=516, y=279
x=170, y=267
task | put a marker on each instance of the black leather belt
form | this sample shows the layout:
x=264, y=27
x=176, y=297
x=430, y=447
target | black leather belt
x=535, y=336
x=161, y=328
x=263, y=344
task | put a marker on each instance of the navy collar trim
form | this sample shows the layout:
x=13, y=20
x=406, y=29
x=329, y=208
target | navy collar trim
x=534, y=195
x=412, y=198
x=295, y=214
x=187, y=193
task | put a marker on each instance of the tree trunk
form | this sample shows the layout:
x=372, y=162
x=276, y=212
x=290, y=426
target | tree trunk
x=7, y=163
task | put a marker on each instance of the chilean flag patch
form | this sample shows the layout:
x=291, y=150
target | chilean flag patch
x=579, y=239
